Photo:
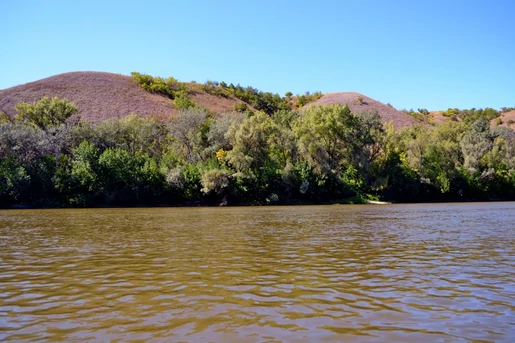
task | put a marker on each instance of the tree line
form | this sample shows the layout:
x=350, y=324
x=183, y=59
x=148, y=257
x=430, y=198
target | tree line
x=323, y=154
x=251, y=97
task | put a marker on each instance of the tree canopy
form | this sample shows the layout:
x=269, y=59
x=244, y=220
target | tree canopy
x=46, y=112
x=314, y=155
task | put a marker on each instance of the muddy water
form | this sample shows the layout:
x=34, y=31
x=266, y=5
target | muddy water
x=399, y=273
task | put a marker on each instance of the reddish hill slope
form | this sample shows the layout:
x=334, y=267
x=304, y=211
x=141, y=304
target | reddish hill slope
x=100, y=96
x=360, y=103
x=506, y=119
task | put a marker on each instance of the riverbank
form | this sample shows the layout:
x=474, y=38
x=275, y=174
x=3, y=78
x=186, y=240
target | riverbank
x=349, y=201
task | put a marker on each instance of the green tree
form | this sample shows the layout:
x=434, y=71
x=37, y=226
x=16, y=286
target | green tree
x=258, y=156
x=476, y=142
x=127, y=179
x=189, y=133
x=183, y=102
x=325, y=137
x=217, y=134
x=77, y=178
x=215, y=181
x=251, y=142
x=435, y=154
x=14, y=181
x=131, y=133
x=46, y=112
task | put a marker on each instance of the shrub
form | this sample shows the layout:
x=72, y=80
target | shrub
x=307, y=97
x=183, y=102
x=301, y=101
x=46, y=112
x=4, y=118
x=240, y=107
x=152, y=84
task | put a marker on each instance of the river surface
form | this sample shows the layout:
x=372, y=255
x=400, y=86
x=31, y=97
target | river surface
x=393, y=273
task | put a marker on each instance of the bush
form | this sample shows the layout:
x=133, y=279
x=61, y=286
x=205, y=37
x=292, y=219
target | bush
x=156, y=85
x=307, y=98
x=46, y=112
x=4, y=118
x=240, y=107
x=183, y=102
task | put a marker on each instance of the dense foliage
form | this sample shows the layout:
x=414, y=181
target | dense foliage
x=316, y=155
x=467, y=115
x=251, y=97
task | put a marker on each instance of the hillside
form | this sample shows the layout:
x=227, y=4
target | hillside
x=100, y=96
x=437, y=117
x=506, y=119
x=361, y=103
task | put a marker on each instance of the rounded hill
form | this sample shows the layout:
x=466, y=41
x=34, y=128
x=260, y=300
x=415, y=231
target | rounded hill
x=101, y=96
x=360, y=103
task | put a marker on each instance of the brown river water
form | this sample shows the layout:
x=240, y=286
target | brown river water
x=353, y=273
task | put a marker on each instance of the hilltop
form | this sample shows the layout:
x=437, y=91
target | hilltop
x=360, y=103
x=101, y=96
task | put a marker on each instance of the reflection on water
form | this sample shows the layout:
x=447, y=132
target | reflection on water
x=421, y=273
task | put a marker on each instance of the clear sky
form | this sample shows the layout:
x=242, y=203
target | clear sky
x=432, y=54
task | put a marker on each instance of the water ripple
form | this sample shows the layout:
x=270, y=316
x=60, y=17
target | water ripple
x=432, y=273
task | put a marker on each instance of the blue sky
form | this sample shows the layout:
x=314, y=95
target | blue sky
x=413, y=54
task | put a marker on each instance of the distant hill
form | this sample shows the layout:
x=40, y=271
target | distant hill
x=437, y=117
x=506, y=119
x=101, y=96
x=361, y=103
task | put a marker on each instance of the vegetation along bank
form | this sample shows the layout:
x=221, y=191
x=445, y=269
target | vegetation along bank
x=219, y=143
